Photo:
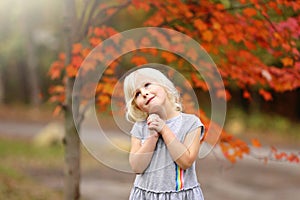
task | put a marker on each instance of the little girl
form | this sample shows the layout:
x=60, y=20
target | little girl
x=165, y=141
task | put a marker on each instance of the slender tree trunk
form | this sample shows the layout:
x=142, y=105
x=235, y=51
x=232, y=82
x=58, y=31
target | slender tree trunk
x=1, y=87
x=72, y=148
x=32, y=69
x=71, y=142
x=28, y=27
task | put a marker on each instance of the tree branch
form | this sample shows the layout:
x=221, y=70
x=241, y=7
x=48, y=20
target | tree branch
x=80, y=117
x=95, y=20
x=86, y=24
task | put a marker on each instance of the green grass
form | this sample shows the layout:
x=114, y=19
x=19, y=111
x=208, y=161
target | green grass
x=26, y=149
x=17, y=159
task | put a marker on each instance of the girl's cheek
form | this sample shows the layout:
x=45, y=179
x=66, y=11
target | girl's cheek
x=138, y=104
x=140, y=107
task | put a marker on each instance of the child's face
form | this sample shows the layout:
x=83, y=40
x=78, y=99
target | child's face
x=150, y=96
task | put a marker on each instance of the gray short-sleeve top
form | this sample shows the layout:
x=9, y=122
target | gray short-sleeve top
x=163, y=174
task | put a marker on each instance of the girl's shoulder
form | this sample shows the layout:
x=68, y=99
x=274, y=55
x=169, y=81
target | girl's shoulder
x=139, y=125
x=191, y=122
x=139, y=129
x=189, y=117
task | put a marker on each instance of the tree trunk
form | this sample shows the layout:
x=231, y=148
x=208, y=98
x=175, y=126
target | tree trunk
x=31, y=59
x=72, y=147
x=1, y=87
x=28, y=26
x=71, y=141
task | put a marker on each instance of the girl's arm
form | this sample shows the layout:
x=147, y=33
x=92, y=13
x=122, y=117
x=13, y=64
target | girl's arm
x=184, y=154
x=141, y=154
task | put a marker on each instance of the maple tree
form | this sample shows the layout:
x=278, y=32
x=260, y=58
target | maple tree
x=231, y=37
x=253, y=43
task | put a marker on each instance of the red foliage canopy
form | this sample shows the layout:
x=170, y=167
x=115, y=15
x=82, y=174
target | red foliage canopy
x=253, y=43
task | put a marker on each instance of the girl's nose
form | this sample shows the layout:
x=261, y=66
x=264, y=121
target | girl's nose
x=144, y=92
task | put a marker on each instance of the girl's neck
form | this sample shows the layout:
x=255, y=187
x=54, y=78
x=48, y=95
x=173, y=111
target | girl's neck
x=167, y=114
x=166, y=110
x=172, y=115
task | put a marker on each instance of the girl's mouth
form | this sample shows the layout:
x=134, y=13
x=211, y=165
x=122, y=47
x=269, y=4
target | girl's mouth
x=149, y=100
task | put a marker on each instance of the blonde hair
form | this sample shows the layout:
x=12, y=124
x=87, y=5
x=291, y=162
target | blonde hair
x=133, y=113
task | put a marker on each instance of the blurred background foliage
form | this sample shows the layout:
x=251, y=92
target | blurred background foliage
x=31, y=35
x=31, y=38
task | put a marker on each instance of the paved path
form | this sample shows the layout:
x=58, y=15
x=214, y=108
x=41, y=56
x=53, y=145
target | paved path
x=247, y=180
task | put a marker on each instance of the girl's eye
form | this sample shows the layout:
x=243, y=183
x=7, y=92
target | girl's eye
x=147, y=85
x=137, y=94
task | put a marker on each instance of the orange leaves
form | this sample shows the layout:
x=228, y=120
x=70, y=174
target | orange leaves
x=102, y=32
x=249, y=12
x=284, y=156
x=145, y=41
x=71, y=71
x=76, y=61
x=57, y=89
x=57, y=110
x=104, y=90
x=141, y=4
x=76, y=48
x=207, y=36
x=154, y=20
x=249, y=45
x=57, y=94
x=292, y=157
x=160, y=37
x=233, y=148
x=200, y=25
x=98, y=32
x=216, y=26
x=169, y=57
x=287, y=62
x=57, y=66
x=223, y=94
x=94, y=41
x=246, y=95
x=103, y=101
x=266, y=95
x=198, y=83
x=56, y=69
x=129, y=45
x=235, y=38
x=80, y=53
x=80, y=58
x=88, y=65
x=256, y=143
x=192, y=54
x=139, y=60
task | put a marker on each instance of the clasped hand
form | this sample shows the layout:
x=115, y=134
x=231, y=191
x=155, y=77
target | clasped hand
x=155, y=123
